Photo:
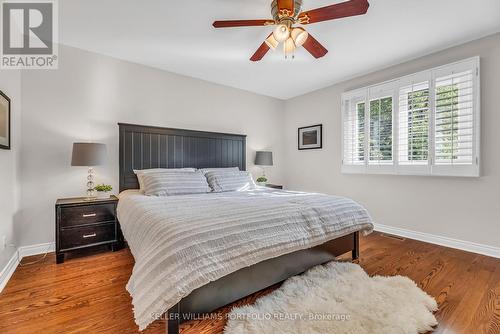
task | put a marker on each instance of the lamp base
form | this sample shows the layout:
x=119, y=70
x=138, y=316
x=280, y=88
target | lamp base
x=90, y=185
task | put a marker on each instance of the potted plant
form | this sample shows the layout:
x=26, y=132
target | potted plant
x=103, y=190
x=261, y=181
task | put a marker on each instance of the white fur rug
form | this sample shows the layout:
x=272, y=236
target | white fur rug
x=338, y=297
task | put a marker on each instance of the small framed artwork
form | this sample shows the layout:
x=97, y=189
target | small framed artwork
x=311, y=137
x=4, y=121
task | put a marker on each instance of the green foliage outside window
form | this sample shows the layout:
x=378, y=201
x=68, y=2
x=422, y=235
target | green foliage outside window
x=446, y=122
x=360, y=114
x=418, y=125
x=381, y=129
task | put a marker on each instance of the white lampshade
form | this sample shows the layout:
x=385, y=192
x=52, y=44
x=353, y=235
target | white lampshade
x=289, y=46
x=281, y=33
x=272, y=42
x=299, y=36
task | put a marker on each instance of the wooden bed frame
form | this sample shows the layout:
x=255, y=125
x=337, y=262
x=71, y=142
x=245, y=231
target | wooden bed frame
x=143, y=147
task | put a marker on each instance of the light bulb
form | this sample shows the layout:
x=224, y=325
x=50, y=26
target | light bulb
x=281, y=33
x=289, y=46
x=299, y=36
x=272, y=42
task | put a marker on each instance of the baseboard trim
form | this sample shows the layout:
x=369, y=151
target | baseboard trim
x=18, y=255
x=440, y=240
x=8, y=270
x=36, y=249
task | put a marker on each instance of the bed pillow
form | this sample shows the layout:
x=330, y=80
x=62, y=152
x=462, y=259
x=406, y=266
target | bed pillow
x=141, y=172
x=179, y=183
x=221, y=181
x=225, y=169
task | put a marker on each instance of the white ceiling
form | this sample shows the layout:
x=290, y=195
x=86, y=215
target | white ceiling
x=178, y=36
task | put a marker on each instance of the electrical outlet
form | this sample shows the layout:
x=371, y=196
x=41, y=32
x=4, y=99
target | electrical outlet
x=4, y=242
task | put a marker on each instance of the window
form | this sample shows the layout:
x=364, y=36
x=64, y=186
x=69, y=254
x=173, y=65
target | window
x=454, y=119
x=414, y=124
x=360, y=130
x=422, y=124
x=381, y=131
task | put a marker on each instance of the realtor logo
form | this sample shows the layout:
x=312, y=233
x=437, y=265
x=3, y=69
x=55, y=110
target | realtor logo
x=29, y=34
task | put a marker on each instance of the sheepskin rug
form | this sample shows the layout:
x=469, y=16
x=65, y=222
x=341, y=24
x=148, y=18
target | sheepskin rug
x=338, y=297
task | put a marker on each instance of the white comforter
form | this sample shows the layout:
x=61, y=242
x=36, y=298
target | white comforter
x=181, y=243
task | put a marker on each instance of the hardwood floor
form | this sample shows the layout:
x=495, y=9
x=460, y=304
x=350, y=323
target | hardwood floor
x=87, y=294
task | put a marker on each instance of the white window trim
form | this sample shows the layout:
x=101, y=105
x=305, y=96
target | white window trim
x=353, y=95
x=429, y=169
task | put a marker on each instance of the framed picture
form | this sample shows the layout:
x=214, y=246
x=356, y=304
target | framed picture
x=4, y=121
x=311, y=137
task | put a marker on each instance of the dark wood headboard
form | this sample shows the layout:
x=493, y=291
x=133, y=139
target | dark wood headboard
x=143, y=147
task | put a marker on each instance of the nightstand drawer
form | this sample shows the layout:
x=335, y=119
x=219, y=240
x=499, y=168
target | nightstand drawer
x=83, y=215
x=88, y=235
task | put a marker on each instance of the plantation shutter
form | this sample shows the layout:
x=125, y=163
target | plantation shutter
x=456, y=122
x=380, y=127
x=354, y=140
x=427, y=123
x=414, y=113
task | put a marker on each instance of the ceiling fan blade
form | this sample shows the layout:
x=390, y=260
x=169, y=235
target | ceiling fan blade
x=242, y=23
x=314, y=47
x=332, y=12
x=261, y=52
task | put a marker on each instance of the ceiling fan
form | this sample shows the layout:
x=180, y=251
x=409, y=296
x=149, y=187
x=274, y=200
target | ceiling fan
x=287, y=13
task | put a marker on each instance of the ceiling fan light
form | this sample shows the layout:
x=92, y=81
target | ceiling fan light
x=281, y=33
x=299, y=36
x=272, y=42
x=289, y=46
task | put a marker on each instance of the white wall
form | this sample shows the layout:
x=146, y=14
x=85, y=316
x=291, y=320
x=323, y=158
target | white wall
x=465, y=209
x=10, y=84
x=86, y=97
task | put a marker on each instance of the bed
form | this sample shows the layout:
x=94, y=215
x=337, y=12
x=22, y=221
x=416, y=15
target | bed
x=197, y=253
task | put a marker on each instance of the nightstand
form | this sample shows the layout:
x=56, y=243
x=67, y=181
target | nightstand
x=82, y=224
x=274, y=186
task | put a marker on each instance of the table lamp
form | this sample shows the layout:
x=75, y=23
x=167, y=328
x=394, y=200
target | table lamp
x=89, y=155
x=263, y=159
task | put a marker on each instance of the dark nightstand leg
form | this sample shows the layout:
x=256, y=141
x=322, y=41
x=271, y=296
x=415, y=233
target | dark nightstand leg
x=59, y=258
x=117, y=246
